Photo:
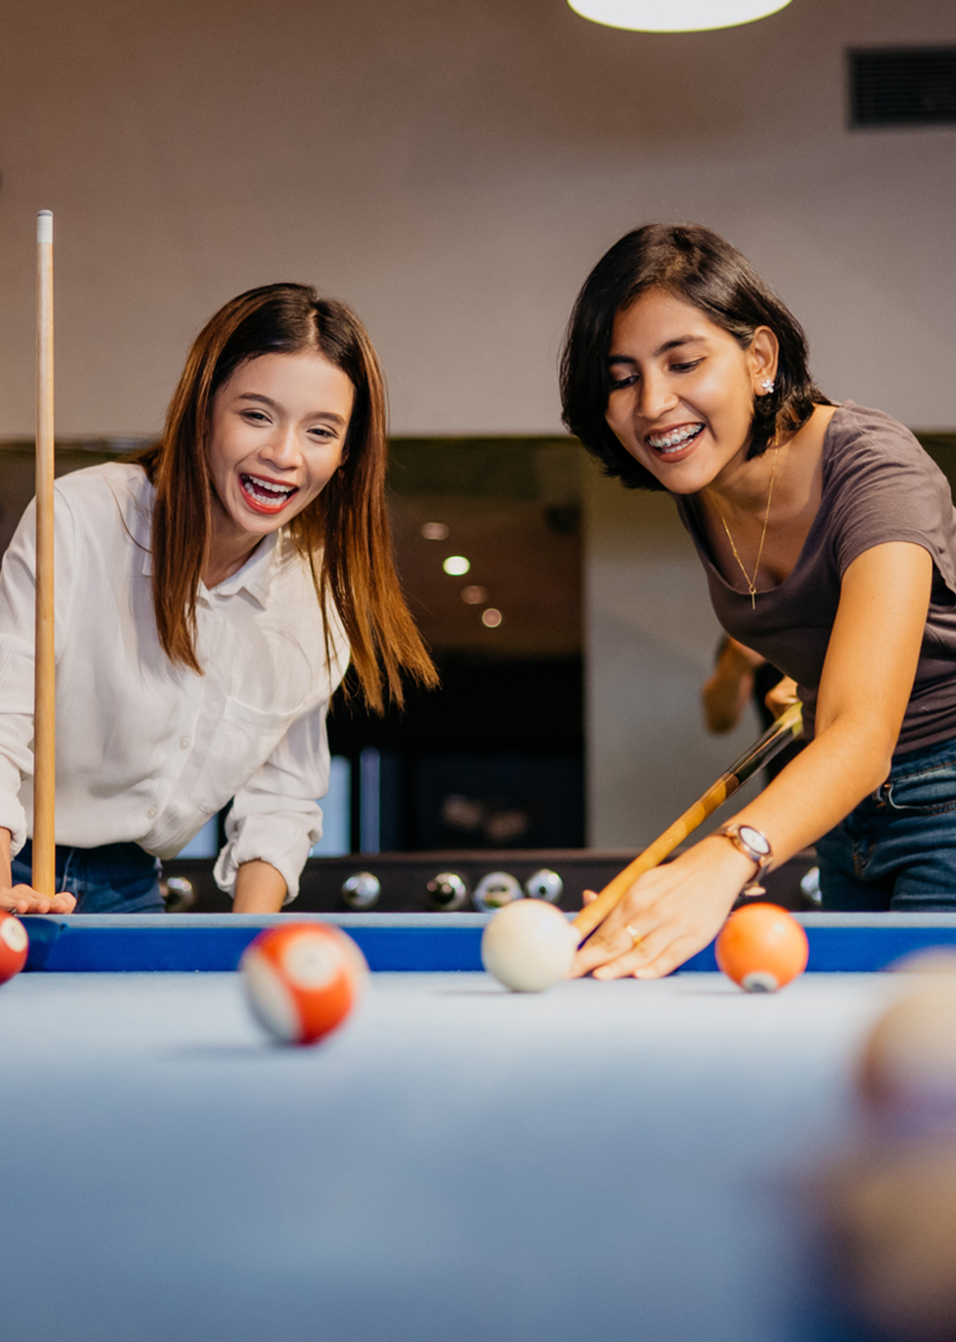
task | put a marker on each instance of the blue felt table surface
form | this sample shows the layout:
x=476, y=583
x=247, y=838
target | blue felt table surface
x=623, y=1160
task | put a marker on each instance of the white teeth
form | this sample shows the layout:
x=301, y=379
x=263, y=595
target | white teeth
x=677, y=438
x=266, y=491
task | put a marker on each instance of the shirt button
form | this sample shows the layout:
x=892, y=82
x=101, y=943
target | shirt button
x=184, y=743
x=151, y=812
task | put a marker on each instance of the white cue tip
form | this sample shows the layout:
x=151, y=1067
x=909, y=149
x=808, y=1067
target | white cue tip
x=45, y=226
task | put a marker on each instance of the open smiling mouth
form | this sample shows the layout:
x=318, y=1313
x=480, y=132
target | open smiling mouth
x=669, y=444
x=265, y=496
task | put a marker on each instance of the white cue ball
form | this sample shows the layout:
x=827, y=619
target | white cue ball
x=528, y=945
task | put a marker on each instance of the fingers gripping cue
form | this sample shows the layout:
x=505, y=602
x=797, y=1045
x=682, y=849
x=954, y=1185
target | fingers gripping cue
x=44, y=838
x=786, y=728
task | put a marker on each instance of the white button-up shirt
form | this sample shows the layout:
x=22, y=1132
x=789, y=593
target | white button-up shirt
x=147, y=751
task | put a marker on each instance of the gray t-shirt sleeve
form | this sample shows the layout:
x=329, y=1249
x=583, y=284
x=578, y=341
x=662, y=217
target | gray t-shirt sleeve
x=879, y=486
x=882, y=487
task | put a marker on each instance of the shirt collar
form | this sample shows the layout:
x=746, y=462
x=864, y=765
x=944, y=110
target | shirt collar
x=255, y=576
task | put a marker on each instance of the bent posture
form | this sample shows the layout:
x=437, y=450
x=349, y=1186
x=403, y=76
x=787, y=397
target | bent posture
x=828, y=538
x=209, y=596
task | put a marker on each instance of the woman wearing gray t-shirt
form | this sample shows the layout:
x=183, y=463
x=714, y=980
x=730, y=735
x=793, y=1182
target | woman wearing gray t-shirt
x=829, y=542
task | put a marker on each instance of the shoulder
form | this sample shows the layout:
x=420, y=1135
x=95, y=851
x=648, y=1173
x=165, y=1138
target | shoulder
x=870, y=451
x=108, y=504
x=856, y=434
x=880, y=485
x=96, y=491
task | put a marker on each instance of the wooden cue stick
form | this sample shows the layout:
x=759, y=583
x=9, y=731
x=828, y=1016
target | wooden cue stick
x=786, y=727
x=44, y=727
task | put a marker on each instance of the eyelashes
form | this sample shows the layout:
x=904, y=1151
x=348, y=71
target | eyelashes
x=619, y=383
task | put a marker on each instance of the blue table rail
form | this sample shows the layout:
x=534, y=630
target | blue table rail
x=839, y=943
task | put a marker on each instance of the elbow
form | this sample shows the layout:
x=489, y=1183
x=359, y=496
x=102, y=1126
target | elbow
x=881, y=773
x=864, y=749
x=880, y=761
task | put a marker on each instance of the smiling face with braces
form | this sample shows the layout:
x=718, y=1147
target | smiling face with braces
x=682, y=390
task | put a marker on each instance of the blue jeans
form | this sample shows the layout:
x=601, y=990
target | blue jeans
x=897, y=849
x=115, y=878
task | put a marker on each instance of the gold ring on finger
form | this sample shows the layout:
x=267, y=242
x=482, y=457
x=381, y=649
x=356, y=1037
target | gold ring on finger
x=636, y=937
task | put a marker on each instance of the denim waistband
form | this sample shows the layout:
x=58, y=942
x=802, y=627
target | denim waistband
x=914, y=760
x=108, y=857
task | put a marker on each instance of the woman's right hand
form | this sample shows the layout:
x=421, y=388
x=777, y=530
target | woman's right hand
x=23, y=899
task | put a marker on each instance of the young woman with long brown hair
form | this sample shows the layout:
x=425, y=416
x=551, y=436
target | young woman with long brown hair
x=828, y=538
x=210, y=595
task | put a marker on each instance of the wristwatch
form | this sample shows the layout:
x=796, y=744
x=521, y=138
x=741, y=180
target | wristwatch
x=754, y=845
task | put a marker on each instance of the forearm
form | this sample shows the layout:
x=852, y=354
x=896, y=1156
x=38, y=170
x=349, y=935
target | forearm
x=259, y=889
x=725, y=694
x=6, y=876
x=866, y=683
x=724, y=699
x=817, y=789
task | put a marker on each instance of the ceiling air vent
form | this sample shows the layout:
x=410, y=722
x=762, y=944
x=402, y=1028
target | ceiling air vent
x=903, y=86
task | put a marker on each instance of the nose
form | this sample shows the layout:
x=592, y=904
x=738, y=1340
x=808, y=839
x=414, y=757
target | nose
x=283, y=449
x=658, y=397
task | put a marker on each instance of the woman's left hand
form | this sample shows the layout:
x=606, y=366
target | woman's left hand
x=675, y=910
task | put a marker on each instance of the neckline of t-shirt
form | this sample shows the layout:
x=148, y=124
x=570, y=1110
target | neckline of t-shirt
x=703, y=547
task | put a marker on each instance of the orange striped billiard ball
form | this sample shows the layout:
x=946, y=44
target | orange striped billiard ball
x=302, y=980
x=761, y=947
x=14, y=944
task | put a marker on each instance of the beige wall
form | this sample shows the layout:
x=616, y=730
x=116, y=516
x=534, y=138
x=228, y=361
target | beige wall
x=453, y=169
x=651, y=643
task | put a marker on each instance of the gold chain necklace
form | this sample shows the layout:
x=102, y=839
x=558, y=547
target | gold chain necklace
x=752, y=582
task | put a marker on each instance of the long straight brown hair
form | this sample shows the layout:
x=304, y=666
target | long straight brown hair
x=343, y=535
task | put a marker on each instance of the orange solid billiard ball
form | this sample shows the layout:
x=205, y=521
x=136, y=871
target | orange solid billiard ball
x=761, y=947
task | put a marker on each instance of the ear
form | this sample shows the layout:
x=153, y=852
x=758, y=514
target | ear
x=764, y=353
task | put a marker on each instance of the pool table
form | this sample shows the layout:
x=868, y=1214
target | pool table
x=458, y=1163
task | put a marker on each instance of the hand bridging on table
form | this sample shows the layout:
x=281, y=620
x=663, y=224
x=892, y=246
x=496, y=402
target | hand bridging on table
x=24, y=899
x=675, y=910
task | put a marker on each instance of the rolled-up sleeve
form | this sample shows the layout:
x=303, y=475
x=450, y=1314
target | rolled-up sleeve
x=275, y=818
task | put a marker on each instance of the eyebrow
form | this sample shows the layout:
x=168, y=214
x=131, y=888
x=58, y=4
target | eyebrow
x=274, y=405
x=661, y=349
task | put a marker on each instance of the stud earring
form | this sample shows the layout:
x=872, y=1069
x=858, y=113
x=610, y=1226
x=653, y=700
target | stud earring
x=767, y=385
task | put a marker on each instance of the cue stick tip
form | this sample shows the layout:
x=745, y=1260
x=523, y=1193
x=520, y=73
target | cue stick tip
x=45, y=226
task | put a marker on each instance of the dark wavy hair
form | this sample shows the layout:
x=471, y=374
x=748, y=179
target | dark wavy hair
x=343, y=534
x=695, y=264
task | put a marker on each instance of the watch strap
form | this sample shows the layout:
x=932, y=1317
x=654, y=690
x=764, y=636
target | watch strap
x=761, y=860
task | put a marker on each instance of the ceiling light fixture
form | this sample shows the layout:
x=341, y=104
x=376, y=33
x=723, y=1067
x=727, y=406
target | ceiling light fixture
x=677, y=16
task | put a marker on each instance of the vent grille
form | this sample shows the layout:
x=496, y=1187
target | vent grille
x=903, y=86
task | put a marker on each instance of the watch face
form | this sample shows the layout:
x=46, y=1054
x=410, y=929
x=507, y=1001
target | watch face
x=754, y=839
